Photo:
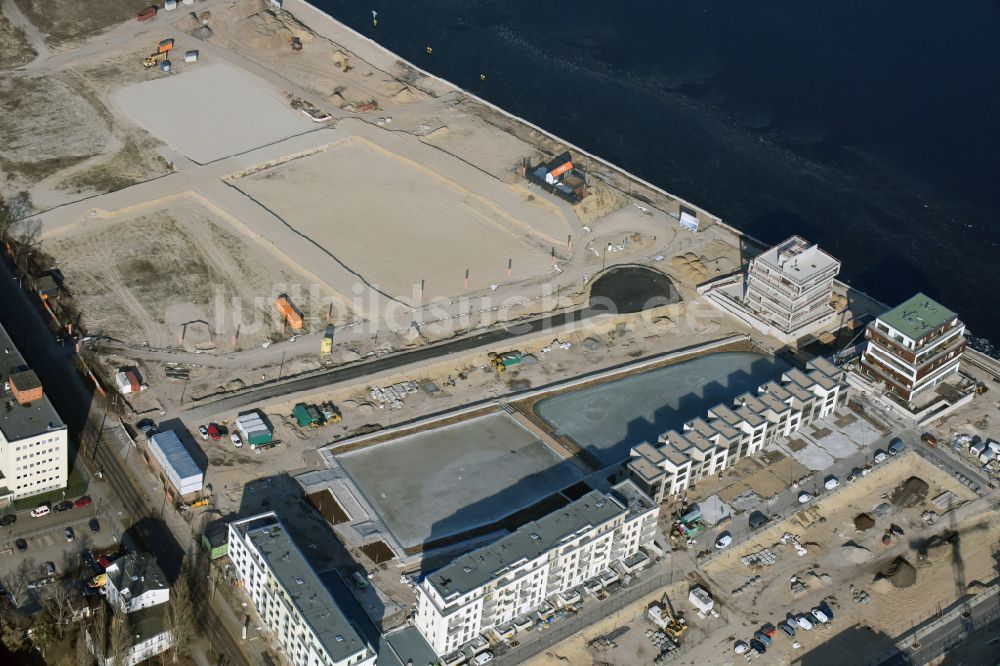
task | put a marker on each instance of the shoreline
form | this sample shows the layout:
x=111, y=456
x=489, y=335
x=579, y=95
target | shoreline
x=371, y=43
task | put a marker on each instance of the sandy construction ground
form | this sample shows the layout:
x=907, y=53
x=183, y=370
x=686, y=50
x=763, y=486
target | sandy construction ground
x=396, y=222
x=157, y=277
x=825, y=532
x=211, y=111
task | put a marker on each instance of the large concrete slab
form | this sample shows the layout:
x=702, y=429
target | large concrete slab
x=208, y=112
x=609, y=419
x=448, y=480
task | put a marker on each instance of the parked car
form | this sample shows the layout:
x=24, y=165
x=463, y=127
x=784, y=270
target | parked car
x=804, y=497
x=21, y=545
x=825, y=607
x=41, y=510
x=831, y=482
x=757, y=646
x=741, y=647
x=757, y=519
x=769, y=630
x=8, y=519
x=146, y=426
x=68, y=532
x=82, y=502
x=724, y=541
x=896, y=446
x=928, y=439
x=214, y=432
x=856, y=473
x=65, y=505
x=95, y=525
x=203, y=431
x=237, y=442
x=880, y=456
x=787, y=628
x=762, y=637
x=804, y=622
x=50, y=568
x=820, y=615
x=483, y=658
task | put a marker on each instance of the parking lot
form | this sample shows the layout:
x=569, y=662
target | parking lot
x=45, y=540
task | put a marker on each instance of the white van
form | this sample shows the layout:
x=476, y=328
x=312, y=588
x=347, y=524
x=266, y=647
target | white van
x=39, y=511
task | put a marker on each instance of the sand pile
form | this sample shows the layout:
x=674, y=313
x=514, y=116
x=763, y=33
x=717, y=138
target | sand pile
x=690, y=267
x=406, y=96
x=855, y=554
x=910, y=493
x=863, y=522
x=899, y=572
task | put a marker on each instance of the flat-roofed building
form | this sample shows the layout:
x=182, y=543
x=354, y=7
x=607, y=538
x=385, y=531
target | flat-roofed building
x=786, y=292
x=491, y=586
x=303, y=619
x=913, y=347
x=33, y=439
x=708, y=446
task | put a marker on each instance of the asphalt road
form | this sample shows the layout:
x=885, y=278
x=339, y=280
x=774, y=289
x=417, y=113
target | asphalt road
x=72, y=399
x=209, y=409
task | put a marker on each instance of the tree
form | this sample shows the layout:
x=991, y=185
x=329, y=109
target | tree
x=119, y=641
x=82, y=656
x=56, y=601
x=12, y=633
x=180, y=614
x=100, y=628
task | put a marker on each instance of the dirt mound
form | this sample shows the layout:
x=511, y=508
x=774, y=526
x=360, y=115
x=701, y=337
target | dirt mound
x=854, y=553
x=863, y=522
x=406, y=96
x=910, y=493
x=690, y=266
x=899, y=572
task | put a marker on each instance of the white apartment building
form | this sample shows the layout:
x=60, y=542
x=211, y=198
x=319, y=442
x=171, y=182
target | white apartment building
x=491, y=586
x=786, y=292
x=136, y=585
x=706, y=447
x=33, y=439
x=307, y=625
x=913, y=347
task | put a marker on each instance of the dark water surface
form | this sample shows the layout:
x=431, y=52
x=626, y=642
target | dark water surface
x=869, y=127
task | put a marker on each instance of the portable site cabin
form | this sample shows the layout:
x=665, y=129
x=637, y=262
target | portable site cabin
x=307, y=416
x=253, y=428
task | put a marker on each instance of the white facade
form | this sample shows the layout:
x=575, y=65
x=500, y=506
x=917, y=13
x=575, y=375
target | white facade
x=146, y=648
x=304, y=621
x=34, y=442
x=706, y=447
x=786, y=292
x=493, y=585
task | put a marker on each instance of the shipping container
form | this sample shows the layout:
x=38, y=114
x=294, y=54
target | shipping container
x=165, y=45
x=146, y=14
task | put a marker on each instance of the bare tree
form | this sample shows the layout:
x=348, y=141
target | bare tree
x=56, y=600
x=82, y=656
x=43, y=633
x=100, y=628
x=180, y=613
x=12, y=633
x=119, y=641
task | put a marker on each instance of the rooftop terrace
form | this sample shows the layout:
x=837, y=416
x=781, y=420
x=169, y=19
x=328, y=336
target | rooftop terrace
x=917, y=316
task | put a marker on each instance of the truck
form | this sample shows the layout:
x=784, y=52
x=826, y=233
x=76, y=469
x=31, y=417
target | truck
x=504, y=360
x=146, y=14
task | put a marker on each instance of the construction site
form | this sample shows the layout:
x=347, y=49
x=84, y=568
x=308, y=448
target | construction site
x=341, y=278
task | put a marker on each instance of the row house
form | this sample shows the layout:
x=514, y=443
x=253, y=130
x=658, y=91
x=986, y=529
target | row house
x=706, y=447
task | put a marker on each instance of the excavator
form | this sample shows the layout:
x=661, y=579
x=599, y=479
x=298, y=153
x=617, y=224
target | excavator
x=162, y=51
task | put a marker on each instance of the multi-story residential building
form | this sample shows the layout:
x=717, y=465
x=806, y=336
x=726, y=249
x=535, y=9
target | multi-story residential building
x=491, y=586
x=913, y=347
x=306, y=624
x=136, y=581
x=33, y=439
x=786, y=292
x=706, y=447
x=137, y=592
x=791, y=285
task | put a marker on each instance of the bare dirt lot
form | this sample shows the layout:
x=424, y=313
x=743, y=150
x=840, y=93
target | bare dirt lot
x=216, y=98
x=46, y=126
x=62, y=21
x=155, y=277
x=843, y=560
x=425, y=224
x=14, y=47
